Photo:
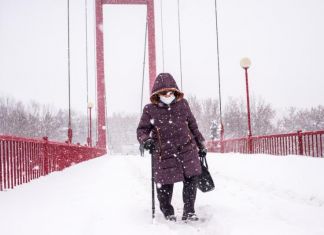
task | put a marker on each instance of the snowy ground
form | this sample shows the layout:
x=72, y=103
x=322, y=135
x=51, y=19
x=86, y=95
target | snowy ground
x=111, y=195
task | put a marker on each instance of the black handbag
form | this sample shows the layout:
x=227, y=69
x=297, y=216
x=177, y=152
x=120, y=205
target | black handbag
x=205, y=181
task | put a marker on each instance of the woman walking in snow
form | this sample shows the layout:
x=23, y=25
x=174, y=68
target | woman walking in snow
x=169, y=130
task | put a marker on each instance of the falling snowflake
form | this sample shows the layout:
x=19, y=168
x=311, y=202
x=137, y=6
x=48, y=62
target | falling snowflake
x=100, y=27
x=36, y=167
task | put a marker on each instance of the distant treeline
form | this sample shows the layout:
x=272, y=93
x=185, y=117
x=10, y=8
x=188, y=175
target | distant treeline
x=265, y=119
x=37, y=120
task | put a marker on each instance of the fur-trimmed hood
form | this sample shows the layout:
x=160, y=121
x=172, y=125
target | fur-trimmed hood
x=164, y=81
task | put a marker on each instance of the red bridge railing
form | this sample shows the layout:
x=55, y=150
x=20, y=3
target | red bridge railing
x=22, y=159
x=299, y=143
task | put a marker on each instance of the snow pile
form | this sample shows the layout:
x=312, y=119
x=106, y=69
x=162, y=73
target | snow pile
x=257, y=194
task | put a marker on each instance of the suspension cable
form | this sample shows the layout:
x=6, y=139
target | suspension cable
x=179, y=33
x=162, y=34
x=144, y=59
x=87, y=70
x=69, y=72
x=219, y=79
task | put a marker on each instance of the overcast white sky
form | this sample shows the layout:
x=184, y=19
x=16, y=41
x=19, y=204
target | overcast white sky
x=283, y=38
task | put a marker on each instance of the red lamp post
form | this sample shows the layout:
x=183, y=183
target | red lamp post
x=245, y=64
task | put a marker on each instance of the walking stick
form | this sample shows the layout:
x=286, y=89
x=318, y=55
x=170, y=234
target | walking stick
x=153, y=197
x=152, y=180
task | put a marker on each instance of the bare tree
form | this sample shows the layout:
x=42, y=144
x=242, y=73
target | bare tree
x=122, y=133
x=235, y=120
x=304, y=119
x=262, y=115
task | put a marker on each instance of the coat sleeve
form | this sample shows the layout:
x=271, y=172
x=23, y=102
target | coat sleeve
x=193, y=126
x=144, y=127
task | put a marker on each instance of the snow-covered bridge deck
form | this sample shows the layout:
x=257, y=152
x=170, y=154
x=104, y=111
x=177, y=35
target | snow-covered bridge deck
x=256, y=194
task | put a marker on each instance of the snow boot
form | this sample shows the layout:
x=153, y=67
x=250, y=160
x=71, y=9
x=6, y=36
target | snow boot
x=171, y=218
x=190, y=217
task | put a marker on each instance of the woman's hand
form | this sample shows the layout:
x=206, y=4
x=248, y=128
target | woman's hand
x=149, y=145
x=202, y=152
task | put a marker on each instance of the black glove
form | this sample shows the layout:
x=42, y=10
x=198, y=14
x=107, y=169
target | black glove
x=202, y=152
x=149, y=145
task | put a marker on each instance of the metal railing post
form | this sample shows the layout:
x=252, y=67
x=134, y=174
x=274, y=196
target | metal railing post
x=46, y=160
x=300, y=142
x=250, y=147
x=222, y=138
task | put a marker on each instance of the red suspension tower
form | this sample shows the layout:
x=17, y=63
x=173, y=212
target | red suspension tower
x=101, y=93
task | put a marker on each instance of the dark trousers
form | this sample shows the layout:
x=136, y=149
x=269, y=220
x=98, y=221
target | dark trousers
x=164, y=194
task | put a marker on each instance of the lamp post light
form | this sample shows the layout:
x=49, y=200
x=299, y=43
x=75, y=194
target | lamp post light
x=245, y=64
x=89, y=139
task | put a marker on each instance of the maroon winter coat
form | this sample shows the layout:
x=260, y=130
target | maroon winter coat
x=175, y=132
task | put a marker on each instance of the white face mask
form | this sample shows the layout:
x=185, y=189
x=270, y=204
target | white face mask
x=167, y=100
